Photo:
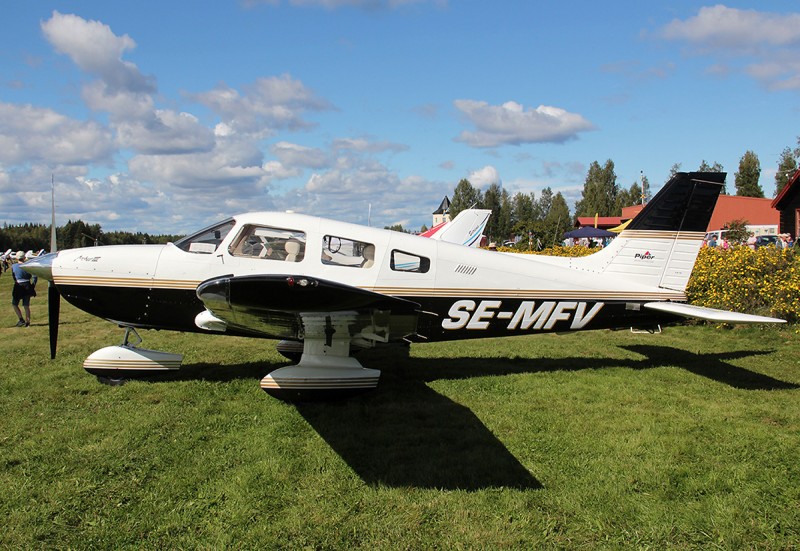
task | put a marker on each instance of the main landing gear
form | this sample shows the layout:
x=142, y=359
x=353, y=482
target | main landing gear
x=326, y=369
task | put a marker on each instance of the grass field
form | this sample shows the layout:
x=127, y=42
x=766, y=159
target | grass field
x=604, y=439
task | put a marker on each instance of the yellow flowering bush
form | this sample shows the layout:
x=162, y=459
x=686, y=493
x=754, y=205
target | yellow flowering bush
x=765, y=281
x=578, y=250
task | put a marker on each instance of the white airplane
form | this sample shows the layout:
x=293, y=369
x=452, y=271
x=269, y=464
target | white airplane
x=465, y=229
x=334, y=288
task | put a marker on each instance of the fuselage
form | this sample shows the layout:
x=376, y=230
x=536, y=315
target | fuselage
x=462, y=292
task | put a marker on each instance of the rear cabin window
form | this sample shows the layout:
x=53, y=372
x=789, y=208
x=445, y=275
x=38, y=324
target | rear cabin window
x=207, y=240
x=341, y=251
x=269, y=243
x=408, y=262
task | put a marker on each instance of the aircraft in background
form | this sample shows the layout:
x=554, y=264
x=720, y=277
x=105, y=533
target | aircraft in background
x=465, y=229
x=333, y=288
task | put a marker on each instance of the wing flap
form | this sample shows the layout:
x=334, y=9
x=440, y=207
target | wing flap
x=709, y=314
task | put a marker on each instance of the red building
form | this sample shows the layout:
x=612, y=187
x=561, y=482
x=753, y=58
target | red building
x=787, y=205
x=759, y=214
x=603, y=222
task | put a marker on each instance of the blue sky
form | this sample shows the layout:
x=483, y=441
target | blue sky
x=164, y=117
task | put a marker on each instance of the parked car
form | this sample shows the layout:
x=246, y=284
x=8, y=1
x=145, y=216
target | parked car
x=765, y=240
x=718, y=234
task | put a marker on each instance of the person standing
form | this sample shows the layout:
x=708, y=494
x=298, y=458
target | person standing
x=24, y=289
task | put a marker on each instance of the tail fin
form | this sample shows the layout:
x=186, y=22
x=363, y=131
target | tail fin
x=660, y=245
x=465, y=229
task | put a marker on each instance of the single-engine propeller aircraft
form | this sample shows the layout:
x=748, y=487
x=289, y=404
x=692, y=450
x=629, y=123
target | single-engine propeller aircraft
x=332, y=288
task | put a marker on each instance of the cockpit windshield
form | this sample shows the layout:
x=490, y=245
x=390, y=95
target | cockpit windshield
x=207, y=240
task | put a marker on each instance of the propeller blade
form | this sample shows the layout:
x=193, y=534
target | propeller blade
x=53, y=310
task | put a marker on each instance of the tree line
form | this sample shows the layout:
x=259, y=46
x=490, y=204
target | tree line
x=540, y=221
x=546, y=219
x=34, y=237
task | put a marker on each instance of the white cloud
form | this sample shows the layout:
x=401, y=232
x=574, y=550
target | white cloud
x=183, y=172
x=512, y=124
x=120, y=104
x=35, y=134
x=367, y=145
x=763, y=45
x=199, y=171
x=94, y=48
x=484, y=177
x=347, y=190
x=723, y=27
x=294, y=155
x=268, y=105
x=165, y=132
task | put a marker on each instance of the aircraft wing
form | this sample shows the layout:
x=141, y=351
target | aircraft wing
x=709, y=314
x=287, y=306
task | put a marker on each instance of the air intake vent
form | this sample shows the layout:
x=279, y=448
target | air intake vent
x=466, y=270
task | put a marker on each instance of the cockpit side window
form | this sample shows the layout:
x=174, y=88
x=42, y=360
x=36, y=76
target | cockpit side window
x=341, y=251
x=207, y=240
x=269, y=243
x=408, y=262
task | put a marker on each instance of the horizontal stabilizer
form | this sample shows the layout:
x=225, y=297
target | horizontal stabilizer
x=709, y=314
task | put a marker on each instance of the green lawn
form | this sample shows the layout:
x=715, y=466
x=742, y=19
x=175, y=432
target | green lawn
x=688, y=438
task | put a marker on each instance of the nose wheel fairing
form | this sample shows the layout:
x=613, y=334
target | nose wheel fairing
x=127, y=360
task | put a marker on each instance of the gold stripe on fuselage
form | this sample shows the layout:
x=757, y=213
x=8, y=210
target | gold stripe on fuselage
x=529, y=294
x=133, y=282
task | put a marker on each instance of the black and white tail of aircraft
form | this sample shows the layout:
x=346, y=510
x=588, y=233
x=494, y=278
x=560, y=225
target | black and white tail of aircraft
x=328, y=288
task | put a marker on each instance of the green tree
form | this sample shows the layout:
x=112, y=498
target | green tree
x=716, y=167
x=505, y=216
x=747, y=178
x=557, y=220
x=674, y=169
x=737, y=231
x=786, y=169
x=465, y=196
x=599, y=191
x=496, y=199
x=523, y=205
x=544, y=204
x=629, y=197
x=491, y=200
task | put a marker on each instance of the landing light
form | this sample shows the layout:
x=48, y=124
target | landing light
x=302, y=282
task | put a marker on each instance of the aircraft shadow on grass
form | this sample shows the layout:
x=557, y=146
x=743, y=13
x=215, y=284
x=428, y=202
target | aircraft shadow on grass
x=713, y=366
x=405, y=434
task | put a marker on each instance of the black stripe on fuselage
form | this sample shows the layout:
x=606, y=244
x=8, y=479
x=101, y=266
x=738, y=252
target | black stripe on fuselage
x=441, y=318
x=171, y=309
x=471, y=318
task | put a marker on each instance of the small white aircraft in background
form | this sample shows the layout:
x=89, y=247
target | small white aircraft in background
x=334, y=288
x=465, y=229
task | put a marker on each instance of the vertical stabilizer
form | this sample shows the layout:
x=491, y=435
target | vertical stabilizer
x=660, y=245
x=465, y=229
